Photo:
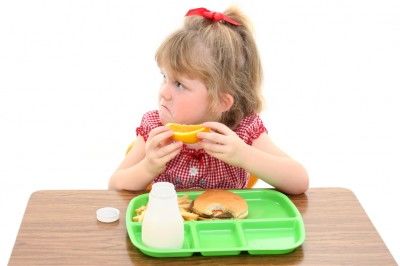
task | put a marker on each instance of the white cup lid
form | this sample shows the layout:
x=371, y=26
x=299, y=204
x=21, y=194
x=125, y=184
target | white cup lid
x=107, y=214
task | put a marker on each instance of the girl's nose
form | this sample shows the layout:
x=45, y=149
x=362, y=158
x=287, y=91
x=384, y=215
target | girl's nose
x=165, y=91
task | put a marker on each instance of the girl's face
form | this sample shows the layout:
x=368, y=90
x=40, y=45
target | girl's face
x=183, y=100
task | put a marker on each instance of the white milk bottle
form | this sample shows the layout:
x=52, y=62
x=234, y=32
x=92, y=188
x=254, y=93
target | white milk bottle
x=162, y=225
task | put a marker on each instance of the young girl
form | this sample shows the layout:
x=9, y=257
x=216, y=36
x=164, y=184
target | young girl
x=212, y=76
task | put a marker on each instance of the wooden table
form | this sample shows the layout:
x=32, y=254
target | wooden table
x=60, y=227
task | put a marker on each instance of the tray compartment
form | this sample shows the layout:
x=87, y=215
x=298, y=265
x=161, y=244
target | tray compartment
x=272, y=237
x=185, y=251
x=267, y=204
x=139, y=201
x=218, y=238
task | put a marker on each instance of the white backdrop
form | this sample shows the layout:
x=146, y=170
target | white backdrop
x=76, y=77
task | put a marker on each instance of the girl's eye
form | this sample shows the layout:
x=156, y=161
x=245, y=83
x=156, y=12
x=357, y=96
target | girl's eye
x=179, y=85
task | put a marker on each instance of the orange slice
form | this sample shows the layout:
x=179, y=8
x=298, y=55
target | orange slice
x=186, y=133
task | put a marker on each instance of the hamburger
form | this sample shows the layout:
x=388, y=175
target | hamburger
x=219, y=204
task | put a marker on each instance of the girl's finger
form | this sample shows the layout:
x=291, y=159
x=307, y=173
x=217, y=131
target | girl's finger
x=169, y=148
x=169, y=156
x=213, y=147
x=161, y=137
x=216, y=126
x=212, y=137
x=166, y=142
x=157, y=130
x=215, y=154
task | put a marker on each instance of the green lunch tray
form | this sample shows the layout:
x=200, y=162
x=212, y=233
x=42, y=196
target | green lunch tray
x=273, y=226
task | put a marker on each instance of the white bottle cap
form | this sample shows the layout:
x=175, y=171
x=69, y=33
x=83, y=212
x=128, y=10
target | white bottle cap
x=107, y=214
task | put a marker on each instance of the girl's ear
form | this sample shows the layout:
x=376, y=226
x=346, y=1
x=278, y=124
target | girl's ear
x=226, y=102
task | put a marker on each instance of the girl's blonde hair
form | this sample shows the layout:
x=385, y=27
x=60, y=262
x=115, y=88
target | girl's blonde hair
x=223, y=56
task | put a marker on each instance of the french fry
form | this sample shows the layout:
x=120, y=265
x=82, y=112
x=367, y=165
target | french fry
x=183, y=199
x=184, y=204
x=140, y=209
x=138, y=218
x=188, y=216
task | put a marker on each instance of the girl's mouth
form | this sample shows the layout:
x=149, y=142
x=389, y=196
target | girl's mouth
x=165, y=107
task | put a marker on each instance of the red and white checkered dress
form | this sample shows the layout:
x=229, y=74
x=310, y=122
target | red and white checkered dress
x=195, y=168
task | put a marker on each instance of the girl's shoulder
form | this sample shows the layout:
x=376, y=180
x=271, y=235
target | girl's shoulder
x=250, y=128
x=149, y=121
x=151, y=118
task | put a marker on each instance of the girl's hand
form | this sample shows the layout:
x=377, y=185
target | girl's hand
x=222, y=143
x=160, y=149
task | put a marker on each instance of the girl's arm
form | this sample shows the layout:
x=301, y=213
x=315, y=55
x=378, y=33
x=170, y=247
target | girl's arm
x=146, y=160
x=266, y=161
x=134, y=173
x=262, y=159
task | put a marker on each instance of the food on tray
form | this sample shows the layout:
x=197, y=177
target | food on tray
x=265, y=230
x=220, y=204
x=211, y=204
x=184, y=204
x=186, y=133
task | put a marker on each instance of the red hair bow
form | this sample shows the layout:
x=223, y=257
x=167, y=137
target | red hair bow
x=214, y=16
